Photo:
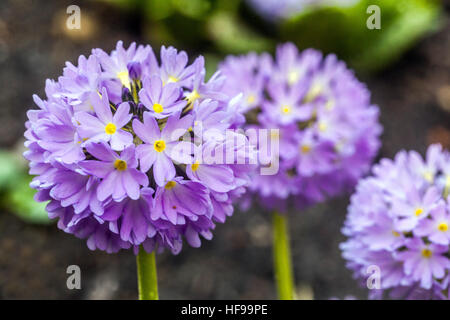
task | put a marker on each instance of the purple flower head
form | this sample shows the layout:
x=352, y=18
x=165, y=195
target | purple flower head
x=113, y=149
x=401, y=214
x=328, y=129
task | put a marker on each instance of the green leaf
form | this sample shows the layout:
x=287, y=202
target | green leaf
x=411, y=21
x=20, y=201
x=343, y=30
x=195, y=9
x=211, y=63
x=233, y=37
x=10, y=169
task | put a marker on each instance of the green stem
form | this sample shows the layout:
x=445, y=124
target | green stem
x=282, y=257
x=147, y=278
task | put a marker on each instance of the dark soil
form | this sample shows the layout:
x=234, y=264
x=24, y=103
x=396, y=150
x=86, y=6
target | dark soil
x=236, y=264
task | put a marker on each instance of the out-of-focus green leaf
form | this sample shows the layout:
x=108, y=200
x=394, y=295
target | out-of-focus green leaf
x=9, y=169
x=158, y=9
x=211, y=62
x=413, y=19
x=20, y=201
x=231, y=36
x=195, y=9
x=343, y=30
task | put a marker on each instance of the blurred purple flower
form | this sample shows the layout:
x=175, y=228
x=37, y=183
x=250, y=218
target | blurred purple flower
x=407, y=191
x=423, y=262
x=437, y=227
x=328, y=129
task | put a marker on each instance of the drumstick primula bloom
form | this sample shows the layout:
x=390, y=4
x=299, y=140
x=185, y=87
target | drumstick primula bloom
x=399, y=221
x=114, y=152
x=328, y=128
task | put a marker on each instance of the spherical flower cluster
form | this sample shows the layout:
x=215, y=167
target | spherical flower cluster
x=399, y=221
x=328, y=130
x=120, y=150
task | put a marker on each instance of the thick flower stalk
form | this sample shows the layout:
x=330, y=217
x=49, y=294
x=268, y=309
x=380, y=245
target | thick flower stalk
x=328, y=131
x=118, y=150
x=399, y=222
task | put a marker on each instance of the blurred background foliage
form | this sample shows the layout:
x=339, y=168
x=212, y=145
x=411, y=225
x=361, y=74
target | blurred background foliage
x=238, y=26
x=15, y=193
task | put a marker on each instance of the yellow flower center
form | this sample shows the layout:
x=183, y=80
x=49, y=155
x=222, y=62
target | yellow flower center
x=173, y=79
x=158, y=108
x=170, y=185
x=194, y=95
x=286, y=109
x=305, y=148
x=120, y=165
x=293, y=77
x=159, y=145
x=323, y=126
x=429, y=176
x=274, y=134
x=110, y=128
x=194, y=166
x=124, y=78
x=395, y=233
x=418, y=212
x=329, y=105
x=315, y=90
x=251, y=99
x=443, y=226
x=427, y=253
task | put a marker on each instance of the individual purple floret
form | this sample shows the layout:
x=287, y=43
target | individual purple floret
x=112, y=149
x=328, y=128
x=103, y=126
x=398, y=221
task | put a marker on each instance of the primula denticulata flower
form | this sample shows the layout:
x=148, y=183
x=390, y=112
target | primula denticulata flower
x=116, y=149
x=328, y=130
x=399, y=220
